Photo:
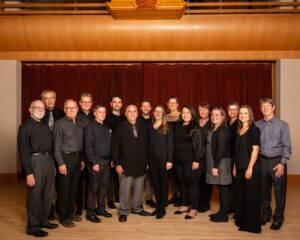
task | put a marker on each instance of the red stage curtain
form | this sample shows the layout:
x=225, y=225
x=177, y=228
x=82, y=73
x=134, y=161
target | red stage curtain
x=218, y=84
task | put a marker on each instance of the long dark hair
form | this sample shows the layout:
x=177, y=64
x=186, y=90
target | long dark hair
x=190, y=128
x=251, y=118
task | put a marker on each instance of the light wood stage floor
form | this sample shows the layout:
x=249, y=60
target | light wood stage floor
x=172, y=227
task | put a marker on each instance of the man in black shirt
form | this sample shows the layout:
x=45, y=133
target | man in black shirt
x=112, y=121
x=147, y=121
x=52, y=113
x=85, y=116
x=130, y=155
x=35, y=148
x=68, y=141
x=97, y=140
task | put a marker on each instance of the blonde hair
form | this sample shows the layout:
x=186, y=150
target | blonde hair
x=222, y=111
x=163, y=128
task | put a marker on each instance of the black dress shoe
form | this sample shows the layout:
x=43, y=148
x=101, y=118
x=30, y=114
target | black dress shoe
x=203, y=209
x=219, y=218
x=50, y=226
x=276, y=225
x=154, y=213
x=150, y=203
x=188, y=217
x=67, y=223
x=142, y=213
x=111, y=205
x=77, y=218
x=103, y=213
x=264, y=220
x=39, y=233
x=122, y=218
x=213, y=214
x=180, y=212
x=93, y=218
x=161, y=214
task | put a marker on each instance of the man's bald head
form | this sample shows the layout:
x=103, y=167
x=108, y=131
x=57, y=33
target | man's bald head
x=71, y=108
x=131, y=113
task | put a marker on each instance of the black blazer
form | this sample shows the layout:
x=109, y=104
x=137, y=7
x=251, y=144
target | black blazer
x=220, y=144
x=130, y=152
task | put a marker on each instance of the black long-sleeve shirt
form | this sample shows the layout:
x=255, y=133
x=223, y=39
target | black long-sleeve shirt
x=68, y=137
x=84, y=118
x=161, y=145
x=220, y=141
x=97, y=141
x=112, y=120
x=33, y=137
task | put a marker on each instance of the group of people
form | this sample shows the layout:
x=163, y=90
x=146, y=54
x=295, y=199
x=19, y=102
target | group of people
x=90, y=156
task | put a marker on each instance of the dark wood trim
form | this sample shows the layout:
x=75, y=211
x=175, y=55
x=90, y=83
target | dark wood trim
x=293, y=179
x=10, y=177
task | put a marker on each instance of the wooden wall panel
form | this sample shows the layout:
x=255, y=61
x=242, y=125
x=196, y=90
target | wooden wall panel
x=101, y=37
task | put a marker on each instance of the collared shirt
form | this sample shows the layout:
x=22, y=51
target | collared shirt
x=57, y=114
x=84, y=118
x=97, y=140
x=68, y=137
x=275, y=138
x=33, y=137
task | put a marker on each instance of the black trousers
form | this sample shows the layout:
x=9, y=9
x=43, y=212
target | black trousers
x=173, y=182
x=82, y=191
x=40, y=195
x=224, y=198
x=68, y=186
x=97, y=189
x=113, y=187
x=188, y=182
x=205, y=192
x=248, y=201
x=280, y=187
x=159, y=179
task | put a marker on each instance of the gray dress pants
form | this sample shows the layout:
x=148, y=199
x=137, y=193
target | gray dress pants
x=127, y=184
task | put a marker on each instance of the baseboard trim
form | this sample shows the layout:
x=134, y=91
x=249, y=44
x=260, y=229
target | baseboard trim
x=294, y=178
x=10, y=177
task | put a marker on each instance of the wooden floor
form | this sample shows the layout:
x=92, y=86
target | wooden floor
x=172, y=227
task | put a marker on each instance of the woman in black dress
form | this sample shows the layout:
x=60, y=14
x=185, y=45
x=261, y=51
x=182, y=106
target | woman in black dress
x=219, y=162
x=248, y=173
x=205, y=189
x=188, y=153
x=161, y=159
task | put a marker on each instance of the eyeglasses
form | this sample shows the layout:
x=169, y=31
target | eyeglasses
x=39, y=108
